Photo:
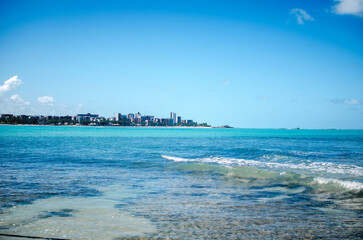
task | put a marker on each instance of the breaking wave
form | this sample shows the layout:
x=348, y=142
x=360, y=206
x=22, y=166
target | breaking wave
x=324, y=167
x=345, y=184
x=255, y=170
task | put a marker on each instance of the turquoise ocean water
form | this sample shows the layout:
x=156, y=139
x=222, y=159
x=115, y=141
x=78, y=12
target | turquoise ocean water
x=175, y=183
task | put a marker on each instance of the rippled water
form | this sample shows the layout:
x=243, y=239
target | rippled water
x=134, y=183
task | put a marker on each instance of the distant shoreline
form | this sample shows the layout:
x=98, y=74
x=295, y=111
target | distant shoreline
x=2, y=124
x=201, y=127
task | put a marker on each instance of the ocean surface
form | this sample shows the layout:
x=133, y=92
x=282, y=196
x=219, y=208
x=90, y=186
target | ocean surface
x=180, y=183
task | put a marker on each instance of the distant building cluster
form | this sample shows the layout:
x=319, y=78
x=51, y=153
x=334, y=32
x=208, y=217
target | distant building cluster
x=131, y=119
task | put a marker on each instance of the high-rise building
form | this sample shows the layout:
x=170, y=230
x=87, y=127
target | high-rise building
x=173, y=117
x=118, y=116
x=131, y=116
x=87, y=116
x=178, y=120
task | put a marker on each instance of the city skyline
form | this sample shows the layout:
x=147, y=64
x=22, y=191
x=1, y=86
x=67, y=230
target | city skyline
x=248, y=64
x=93, y=119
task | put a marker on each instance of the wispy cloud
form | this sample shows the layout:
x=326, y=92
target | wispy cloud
x=10, y=84
x=226, y=83
x=350, y=7
x=351, y=101
x=46, y=100
x=301, y=15
x=262, y=98
x=16, y=99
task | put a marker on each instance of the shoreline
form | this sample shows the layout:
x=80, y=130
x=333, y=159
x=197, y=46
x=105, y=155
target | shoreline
x=336, y=129
x=2, y=124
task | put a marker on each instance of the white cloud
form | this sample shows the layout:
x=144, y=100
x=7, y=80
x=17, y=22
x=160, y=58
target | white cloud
x=15, y=104
x=9, y=84
x=351, y=101
x=262, y=98
x=301, y=15
x=352, y=7
x=226, y=83
x=18, y=100
x=46, y=100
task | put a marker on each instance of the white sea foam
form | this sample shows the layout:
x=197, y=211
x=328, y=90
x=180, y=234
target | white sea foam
x=345, y=184
x=314, y=166
x=303, y=153
x=323, y=167
x=176, y=159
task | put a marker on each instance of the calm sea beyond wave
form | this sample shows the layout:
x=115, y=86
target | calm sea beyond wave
x=180, y=183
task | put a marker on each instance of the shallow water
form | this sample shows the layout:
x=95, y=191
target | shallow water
x=117, y=183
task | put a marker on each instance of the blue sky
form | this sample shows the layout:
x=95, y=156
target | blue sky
x=243, y=63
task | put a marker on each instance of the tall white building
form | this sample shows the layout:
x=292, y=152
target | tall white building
x=173, y=116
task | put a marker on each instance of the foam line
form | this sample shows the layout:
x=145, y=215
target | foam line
x=324, y=167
